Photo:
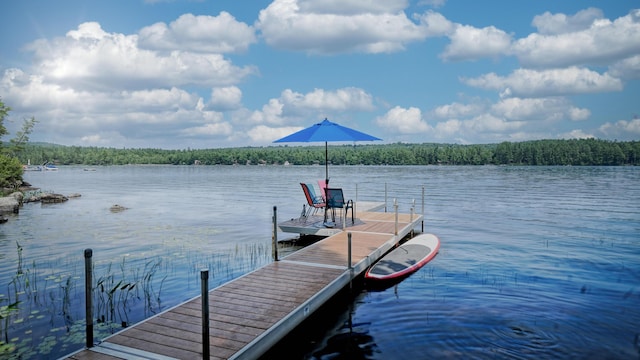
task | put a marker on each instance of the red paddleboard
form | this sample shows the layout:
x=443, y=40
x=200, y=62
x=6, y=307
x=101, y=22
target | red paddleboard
x=405, y=259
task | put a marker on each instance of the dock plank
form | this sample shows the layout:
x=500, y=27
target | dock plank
x=250, y=314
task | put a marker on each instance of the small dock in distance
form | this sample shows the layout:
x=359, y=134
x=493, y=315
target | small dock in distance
x=252, y=313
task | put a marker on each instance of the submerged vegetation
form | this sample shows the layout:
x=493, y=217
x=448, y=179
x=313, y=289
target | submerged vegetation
x=124, y=292
x=575, y=152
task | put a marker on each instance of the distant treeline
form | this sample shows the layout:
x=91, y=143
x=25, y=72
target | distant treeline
x=540, y=152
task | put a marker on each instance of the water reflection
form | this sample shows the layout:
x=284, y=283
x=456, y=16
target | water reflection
x=42, y=311
x=535, y=262
x=352, y=341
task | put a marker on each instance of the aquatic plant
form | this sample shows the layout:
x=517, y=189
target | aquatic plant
x=5, y=311
x=124, y=292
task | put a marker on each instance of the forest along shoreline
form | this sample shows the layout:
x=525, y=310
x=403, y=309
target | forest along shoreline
x=574, y=152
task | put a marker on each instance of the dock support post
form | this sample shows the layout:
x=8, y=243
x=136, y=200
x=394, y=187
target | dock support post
x=385, y=197
x=395, y=206
x=204, y=281
x=413, y=210
x=274, y=236
x=349, y=263
x=355, y=211
x=422, y=208
x=88, y=295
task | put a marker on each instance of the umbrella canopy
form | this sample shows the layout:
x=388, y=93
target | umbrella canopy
x=327, y=131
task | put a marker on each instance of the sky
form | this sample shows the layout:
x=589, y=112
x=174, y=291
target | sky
x=187, y=74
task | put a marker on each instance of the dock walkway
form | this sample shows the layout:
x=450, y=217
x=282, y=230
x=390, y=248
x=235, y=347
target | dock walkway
x=250, y=314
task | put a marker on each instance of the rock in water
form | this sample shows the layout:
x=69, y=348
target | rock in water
x=117, y=208
x=53, y=198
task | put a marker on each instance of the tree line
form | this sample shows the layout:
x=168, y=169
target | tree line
x=577, y=152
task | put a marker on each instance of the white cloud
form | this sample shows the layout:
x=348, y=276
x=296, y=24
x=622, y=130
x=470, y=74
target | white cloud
x=622, y=129
x=329, y=27
x=456, y=110
x=262, y=134
x=90, y=58
x=434, y=3
x=539, y=109
x=533, y=83
x=206, y=34
x=470, y=43
x=578, y=114
x=549, y=24
x=293, y=107
x=271, y=113
x=340, y=100
x=403, y=121
x=157, y=100
x=492, y=124
x=603, y=42
x=209, y=130
x=628, y=68
x=351, y=7
x=576, y=134
x=226, y=98
x=436, y=24
x=451, y=127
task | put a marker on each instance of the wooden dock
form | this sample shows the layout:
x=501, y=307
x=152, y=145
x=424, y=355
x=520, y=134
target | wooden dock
x=250, y=314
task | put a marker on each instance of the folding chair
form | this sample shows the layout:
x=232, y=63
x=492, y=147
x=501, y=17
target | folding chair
x=335, y=200
x=314, y=202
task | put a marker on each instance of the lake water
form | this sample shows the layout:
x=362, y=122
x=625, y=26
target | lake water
x=535, y=262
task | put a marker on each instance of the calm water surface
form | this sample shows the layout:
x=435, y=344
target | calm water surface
x=535, y=262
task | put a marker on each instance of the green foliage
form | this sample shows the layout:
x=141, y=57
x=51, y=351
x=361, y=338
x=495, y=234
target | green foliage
x=10, y=166
x=540, y=152
x=4, y=112
x=10, y=172
x=22, y=136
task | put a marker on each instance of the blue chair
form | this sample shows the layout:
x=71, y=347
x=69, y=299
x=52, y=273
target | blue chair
x=335, y=200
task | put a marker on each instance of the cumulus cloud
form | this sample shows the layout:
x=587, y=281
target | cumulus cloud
x=566, y=41
x=92, y=85
x=434, y=3
x=436, y=24
x=539, y=109
x=622, y=129
x=576, y=134
x=628, y=68
x=345, y=99
x=456, y=110
x=351, y=7
x=226, y=98
x=534, y=83
x=403, y=121
x=200, y=34
x=91, y=58
x=209, y=130
x=271, y=113
x=330, y=27
x=550, y=24
x=471, y=43
x=293, y=107
x=513, y=119
x=264, y=134
x=493, y=124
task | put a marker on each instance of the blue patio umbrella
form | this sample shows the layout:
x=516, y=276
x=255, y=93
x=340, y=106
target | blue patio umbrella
x=327, y=131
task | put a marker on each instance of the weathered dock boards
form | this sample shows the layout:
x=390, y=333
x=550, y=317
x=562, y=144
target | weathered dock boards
x=252, y=313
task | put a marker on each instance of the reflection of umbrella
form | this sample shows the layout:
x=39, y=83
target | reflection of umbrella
x=327, y=131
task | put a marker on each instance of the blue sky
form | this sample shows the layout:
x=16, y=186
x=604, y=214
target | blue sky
x=208, y=74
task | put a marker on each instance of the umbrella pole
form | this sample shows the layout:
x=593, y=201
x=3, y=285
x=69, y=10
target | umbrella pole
x=326, y=180
x=326, y=164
